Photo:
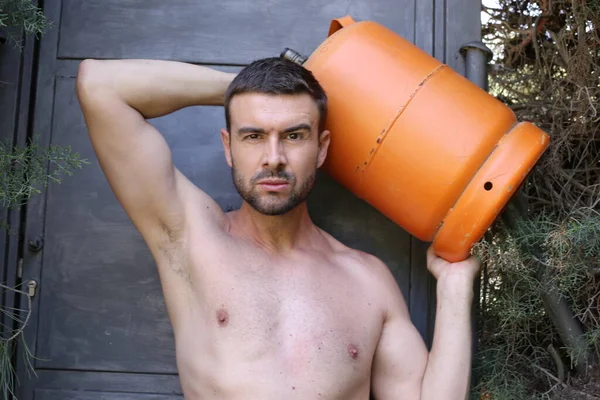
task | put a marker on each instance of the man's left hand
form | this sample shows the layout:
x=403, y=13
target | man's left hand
x=441, y=269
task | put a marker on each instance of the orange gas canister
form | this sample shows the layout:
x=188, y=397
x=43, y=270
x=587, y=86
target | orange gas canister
x=426, y=147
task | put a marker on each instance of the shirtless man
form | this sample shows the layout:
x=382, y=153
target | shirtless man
x=264, y=304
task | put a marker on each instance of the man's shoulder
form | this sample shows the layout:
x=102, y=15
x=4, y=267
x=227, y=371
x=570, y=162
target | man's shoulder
x=343, y=250
x=372, y=272
x=376, y=277
x=360, y=260
x=367, y=260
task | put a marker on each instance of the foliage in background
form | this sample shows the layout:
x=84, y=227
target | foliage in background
x=521, y=355
x=18, y=318
x=24, y=172
x=546, y=68
x=22, y=15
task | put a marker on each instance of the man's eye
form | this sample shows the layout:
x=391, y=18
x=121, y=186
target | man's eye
x=252, y=136
x=294, y=136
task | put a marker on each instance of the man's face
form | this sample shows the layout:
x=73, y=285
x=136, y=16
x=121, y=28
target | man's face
x=274, y=149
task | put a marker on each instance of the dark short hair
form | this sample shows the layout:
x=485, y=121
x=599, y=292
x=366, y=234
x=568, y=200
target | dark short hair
x=277, y=75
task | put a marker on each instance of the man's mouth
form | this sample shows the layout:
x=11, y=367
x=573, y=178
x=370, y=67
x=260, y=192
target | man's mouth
x=273, y=185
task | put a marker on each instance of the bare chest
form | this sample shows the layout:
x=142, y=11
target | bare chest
x=310, y=319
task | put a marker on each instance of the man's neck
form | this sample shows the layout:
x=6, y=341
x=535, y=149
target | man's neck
x=276, y=234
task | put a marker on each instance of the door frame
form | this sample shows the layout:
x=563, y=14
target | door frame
x=21, y=64
x=35, y=121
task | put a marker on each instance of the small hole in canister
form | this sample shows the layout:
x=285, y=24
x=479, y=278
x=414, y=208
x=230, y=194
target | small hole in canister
x=488, y=186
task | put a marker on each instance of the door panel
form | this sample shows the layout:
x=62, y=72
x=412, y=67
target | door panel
x=70, y=395
x=115, y=382
x=219, y=32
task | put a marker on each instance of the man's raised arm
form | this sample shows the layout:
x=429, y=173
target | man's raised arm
x=402, y=367
x=117, y=96
x=449, y=368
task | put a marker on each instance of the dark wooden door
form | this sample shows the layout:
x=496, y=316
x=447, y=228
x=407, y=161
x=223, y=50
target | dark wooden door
x=99, y=328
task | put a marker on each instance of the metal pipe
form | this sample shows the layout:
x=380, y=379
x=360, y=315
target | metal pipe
x=477, y=56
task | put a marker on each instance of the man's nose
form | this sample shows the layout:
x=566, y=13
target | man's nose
x=274, y=153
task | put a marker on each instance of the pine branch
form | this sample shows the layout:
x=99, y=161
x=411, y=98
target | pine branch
x=25, y=171
x=22, y=15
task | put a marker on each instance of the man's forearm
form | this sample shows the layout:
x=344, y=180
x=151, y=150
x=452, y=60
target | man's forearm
x=449, y=366
x=156, y=87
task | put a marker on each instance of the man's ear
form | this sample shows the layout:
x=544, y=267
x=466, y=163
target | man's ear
x=226, y=139
x=324, y=139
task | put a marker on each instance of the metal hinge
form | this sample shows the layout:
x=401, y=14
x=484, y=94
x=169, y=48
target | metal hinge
x=31, y=287
x=20, y=268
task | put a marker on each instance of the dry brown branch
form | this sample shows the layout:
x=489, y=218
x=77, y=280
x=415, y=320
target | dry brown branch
x=547, y=70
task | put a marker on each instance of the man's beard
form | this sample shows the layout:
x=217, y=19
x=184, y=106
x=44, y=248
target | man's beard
x=271, y=203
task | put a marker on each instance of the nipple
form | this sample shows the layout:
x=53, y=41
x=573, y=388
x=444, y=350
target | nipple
x=222, y=317
x=353, y=351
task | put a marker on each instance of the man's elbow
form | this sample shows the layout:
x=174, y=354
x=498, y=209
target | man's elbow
x=91, y=75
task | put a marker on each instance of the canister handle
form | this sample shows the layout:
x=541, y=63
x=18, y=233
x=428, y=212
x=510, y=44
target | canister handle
x=339, y=23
